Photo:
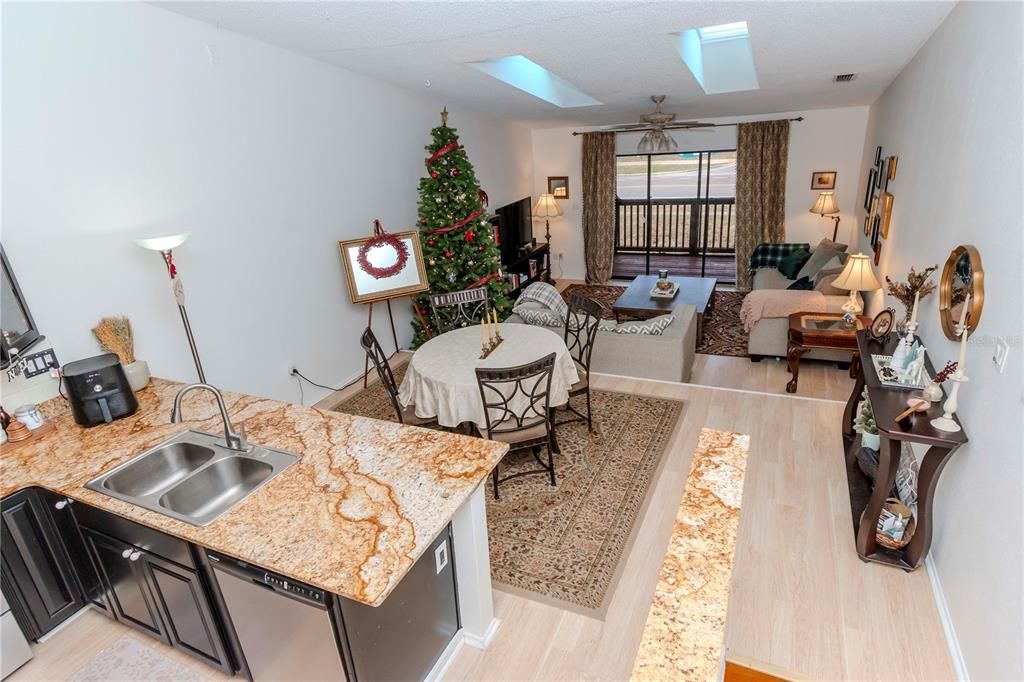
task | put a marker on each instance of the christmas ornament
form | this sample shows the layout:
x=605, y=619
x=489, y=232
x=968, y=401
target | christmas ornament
x=447, y=254
x=433, y=174
x=469, y=235
x=455, y=171
x=382, y=239
x=431, y=242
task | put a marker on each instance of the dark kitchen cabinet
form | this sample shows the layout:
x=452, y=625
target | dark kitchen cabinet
x=159, y=597
x=127, y=589
x=61, y=511
x=36, y=568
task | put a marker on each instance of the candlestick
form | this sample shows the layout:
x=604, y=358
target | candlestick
x=946, y=421
x=962, y=364
x=963, y=311
x=913, y=313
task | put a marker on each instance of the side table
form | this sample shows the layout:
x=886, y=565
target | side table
x=826, y=331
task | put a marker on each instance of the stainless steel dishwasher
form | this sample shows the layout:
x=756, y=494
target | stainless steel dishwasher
x=284, y=627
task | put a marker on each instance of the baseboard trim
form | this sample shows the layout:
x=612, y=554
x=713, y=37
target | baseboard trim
x=78, y=614
x=484, y=642
x=789, y=396
x=446, y=658
x=952, y=643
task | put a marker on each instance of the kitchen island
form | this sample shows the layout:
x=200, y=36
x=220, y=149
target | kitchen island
x=352, y=516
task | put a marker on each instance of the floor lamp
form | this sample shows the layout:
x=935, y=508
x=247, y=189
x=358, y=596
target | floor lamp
x=547, y=208
x=165, y=246
x=825, y=205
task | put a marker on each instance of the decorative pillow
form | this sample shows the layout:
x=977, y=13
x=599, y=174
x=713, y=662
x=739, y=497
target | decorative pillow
x=539, y=316
x=602, y=325
x=652, y=327
x=791, y=264
x=823, y=253
x=802, y=284
x=823, y=284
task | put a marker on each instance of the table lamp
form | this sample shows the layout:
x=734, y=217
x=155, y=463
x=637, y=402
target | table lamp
x=825, y=205
x=547, y=208
x=165, y=245
x=856, y=276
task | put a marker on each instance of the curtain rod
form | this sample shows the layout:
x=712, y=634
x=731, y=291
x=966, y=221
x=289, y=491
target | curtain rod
x=683, y=127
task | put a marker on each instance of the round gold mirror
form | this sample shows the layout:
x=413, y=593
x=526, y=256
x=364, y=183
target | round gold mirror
x=962, y=277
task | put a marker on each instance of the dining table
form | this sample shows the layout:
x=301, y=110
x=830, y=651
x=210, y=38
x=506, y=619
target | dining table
x=441, y=377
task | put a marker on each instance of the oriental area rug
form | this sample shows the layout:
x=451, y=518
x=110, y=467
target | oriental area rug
x=723, y=331
x=564, y=545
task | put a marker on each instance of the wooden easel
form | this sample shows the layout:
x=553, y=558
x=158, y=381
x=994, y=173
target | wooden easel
x=369, y=323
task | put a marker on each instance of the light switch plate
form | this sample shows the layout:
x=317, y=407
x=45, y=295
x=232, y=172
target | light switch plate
x=1000, y=354
x=440, y=557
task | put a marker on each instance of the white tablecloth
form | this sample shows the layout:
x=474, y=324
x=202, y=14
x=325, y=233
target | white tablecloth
x=441, y=378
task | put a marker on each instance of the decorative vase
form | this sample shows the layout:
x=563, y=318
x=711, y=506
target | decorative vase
x=932, y=391
x=138, y=374
x=870, y=440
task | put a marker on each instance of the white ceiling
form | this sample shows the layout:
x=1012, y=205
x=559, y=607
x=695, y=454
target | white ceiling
x=617, y=52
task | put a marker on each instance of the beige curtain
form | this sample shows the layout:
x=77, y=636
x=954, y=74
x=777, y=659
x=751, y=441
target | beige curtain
x=761, y=152
x=598, y=205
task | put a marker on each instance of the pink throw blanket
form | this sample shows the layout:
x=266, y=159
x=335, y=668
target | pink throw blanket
x=779, y=303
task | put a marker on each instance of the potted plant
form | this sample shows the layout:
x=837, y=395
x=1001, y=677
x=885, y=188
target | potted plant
x=864, y=424
x=917, y=284
x=115, y=336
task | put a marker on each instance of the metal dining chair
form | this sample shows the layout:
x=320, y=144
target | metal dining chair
x=459, y=308
x=526, y=425
x=406, y=415
x=581, y=323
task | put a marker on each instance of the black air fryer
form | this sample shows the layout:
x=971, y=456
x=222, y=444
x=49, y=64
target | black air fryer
x=98, y=390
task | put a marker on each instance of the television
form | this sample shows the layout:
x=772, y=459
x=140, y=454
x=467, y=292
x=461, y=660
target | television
x=515, y=228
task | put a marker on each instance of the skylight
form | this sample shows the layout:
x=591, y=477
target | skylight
x=720, y=57
x=737, y=29
x=532, y=78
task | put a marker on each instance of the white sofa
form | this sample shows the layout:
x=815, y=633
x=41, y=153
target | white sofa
x=668, y=356
x=770, y=336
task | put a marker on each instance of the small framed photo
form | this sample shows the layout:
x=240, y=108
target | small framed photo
x=823, y=180
x=558, y=186
x=882, y=324
x=871, y=185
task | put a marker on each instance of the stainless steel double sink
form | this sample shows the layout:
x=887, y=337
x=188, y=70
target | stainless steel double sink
x=192, y=477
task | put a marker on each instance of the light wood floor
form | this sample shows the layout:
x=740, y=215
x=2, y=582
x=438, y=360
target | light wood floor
x=801, y=599
x=818, y=379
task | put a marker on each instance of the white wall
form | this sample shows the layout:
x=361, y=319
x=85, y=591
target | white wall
x=116, y=124
x=827, y=139
x=953, y=117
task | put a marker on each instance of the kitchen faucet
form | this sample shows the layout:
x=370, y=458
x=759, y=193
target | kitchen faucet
x=232, y=440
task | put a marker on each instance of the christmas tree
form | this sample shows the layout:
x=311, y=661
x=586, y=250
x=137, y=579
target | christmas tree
x=458, y=243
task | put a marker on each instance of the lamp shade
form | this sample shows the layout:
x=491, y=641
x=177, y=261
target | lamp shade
x=164, y=242
x=546, y=207
x=857, y=275
x=825, y=204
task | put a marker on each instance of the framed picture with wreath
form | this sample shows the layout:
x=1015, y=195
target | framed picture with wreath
x=383, y=266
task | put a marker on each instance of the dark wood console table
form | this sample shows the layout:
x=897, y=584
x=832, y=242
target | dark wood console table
x=866, y=501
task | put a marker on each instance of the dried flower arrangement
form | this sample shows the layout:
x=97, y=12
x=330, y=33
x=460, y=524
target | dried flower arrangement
x=946, y=372
x=917, y=283
x=115, y=336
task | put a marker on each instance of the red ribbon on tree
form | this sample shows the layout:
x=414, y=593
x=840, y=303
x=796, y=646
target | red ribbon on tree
x=483, y=280
x=462, y=223
x=450, y=147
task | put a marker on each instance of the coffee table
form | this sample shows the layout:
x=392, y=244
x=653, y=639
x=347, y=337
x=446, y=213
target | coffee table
x=825, y=331
x=636, y=301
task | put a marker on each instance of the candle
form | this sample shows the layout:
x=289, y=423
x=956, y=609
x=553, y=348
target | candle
x=494, y=317
x=963, y=311
x=483, y=334
x=960, y=367
x=913, y=313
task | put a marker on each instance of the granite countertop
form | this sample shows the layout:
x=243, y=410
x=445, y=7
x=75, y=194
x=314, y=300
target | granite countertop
x=684, y=634
x=351, y=516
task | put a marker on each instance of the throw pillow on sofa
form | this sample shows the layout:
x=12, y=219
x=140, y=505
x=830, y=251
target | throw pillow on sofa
x=824, y=252
x=802, y=284
x=652, y=327
x=791, y=264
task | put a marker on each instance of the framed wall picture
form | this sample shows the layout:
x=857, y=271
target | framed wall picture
x=885, y=202
x=869, y=192
x=878, y=155
x=823, y=180
x=383, y=266
x=558, y=186
x=892, y=167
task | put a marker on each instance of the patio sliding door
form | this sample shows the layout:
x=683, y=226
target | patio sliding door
x=676, y=211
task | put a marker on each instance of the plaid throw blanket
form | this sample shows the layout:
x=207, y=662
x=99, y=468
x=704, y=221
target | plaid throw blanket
x=770, y=255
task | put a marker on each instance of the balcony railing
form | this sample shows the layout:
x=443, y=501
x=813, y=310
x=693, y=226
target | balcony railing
x=676, y=225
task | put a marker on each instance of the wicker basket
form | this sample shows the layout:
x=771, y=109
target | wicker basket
x=908, y=534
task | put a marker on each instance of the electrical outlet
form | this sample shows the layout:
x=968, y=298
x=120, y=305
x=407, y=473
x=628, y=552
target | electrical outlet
x=1000, y=354
x=291, y=370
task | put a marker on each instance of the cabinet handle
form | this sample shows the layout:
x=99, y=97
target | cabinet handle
x=126, y=553
x=61, y=504
x=135, y=556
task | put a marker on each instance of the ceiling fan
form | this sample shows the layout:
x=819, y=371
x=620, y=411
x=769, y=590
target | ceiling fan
x=656, y=123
